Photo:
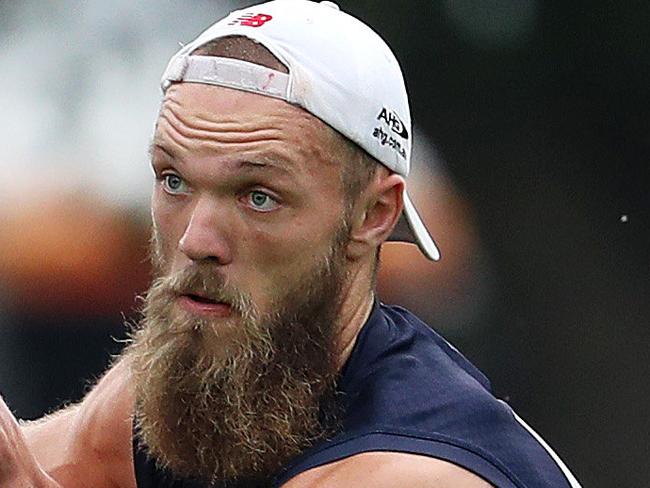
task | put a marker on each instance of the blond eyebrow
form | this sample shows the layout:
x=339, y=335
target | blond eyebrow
x=270, y=163
x=275, y=163
x=157, y=145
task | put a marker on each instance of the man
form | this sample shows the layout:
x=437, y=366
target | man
x=263, y=357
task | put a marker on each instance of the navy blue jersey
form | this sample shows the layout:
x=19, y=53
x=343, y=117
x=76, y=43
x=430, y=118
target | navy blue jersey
x=405, y=389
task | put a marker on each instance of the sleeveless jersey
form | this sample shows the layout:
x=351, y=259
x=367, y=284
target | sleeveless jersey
x=405, y=389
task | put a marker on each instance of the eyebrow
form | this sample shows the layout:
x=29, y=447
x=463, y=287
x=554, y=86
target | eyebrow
x=266, y=163
x=156, y=145
x=276, y=162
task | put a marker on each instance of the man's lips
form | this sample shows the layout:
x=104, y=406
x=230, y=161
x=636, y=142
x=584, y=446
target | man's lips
x=201, y=305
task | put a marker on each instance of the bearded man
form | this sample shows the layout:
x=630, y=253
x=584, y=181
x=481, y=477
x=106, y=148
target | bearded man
x=263, y=357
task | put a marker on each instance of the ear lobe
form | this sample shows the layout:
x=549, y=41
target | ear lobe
x=381, y=207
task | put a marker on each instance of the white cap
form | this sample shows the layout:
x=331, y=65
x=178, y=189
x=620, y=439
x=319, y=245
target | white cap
x=340, y=70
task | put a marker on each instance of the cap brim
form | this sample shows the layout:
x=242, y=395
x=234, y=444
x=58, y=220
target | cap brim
x=411, y=228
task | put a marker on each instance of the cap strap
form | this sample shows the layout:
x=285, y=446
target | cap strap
x=227, y=72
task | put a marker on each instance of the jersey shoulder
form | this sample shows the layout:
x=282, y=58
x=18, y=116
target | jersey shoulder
x=405, y=389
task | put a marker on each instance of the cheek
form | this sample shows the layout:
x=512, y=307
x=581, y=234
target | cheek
x=168, y=226
x=277, y=259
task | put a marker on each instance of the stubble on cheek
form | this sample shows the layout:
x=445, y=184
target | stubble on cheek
x=157, y=254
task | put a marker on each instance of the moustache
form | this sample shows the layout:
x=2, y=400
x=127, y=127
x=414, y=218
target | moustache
x=204, y=283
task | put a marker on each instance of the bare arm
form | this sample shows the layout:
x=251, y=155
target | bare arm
x=388, y=470
x=89, y=444
x=18, y=466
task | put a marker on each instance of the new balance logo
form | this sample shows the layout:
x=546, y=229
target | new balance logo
x=252, y=20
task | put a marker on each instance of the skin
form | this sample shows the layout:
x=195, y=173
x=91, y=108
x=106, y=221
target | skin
x=228, y=146
x=221, y=166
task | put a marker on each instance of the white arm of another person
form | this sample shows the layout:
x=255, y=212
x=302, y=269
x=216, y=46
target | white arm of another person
x=82, y=446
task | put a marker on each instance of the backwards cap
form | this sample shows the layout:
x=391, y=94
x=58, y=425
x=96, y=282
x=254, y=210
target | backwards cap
x=340, y=70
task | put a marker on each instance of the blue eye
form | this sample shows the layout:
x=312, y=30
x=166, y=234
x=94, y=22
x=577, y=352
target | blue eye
x=261, y=201
x=174, y=184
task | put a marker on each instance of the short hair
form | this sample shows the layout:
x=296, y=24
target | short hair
x=358, y=168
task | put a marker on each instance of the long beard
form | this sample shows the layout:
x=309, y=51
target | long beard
x=228, y=401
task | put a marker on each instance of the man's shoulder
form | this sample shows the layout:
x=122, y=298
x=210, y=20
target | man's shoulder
x=408, y=391
x=388, y=469
x=399, y=360
x=410, y=335
x=103, y=428
x=89, y=444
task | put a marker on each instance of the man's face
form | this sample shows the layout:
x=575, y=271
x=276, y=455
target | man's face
x=244, y=181
x=237, y=350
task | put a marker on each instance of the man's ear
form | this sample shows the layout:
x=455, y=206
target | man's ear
x=376, y=214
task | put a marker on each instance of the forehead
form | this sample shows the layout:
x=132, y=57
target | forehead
x=210, y=120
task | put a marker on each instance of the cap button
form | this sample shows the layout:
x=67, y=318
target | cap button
x=330, y=5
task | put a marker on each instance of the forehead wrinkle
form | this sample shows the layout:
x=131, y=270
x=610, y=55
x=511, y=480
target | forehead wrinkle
x=228, y=131
x=242, y=116
x=249, y=153
x=276, y=156
x=173, y=134
x=288, y=134
x=234, y=119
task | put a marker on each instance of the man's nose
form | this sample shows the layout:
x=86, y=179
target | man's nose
x=205, y=237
